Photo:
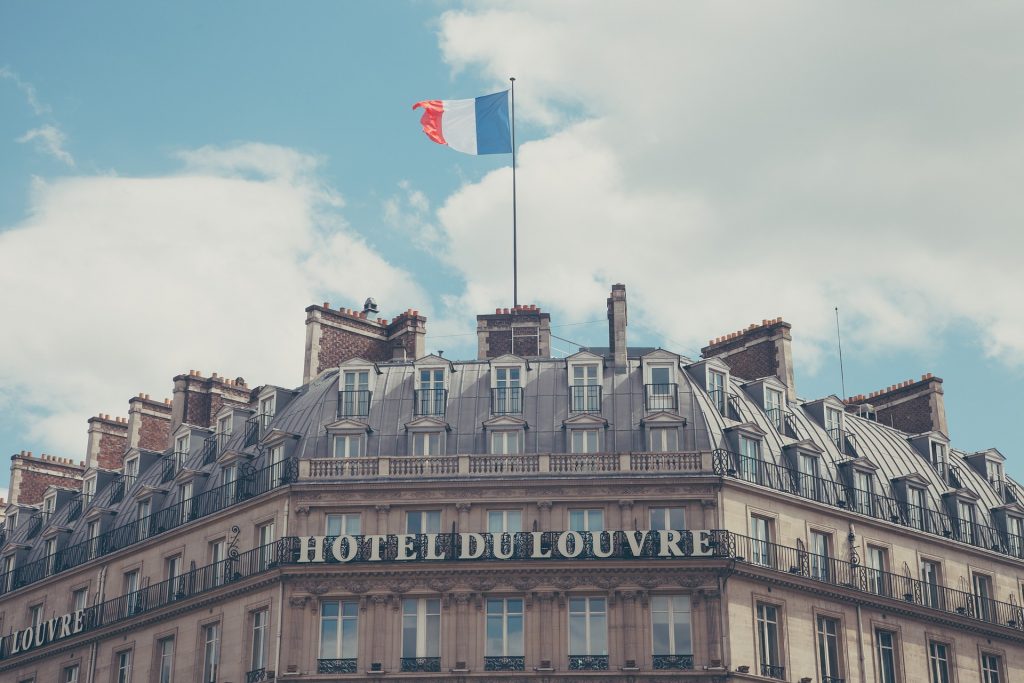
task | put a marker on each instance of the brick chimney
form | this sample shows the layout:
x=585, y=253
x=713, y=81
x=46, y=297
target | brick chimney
x=523, y=330
x=912, y=407
x=758, y=351
x=334, y=336
x=149, y=423
x=617, y=326
x=108, y=440
x=197, y=399
x=31, y=476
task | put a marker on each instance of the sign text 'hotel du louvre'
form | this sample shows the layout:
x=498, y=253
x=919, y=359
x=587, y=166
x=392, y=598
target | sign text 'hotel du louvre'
x=524, y=545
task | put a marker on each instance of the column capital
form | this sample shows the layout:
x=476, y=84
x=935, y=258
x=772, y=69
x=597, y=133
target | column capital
x=544, y=504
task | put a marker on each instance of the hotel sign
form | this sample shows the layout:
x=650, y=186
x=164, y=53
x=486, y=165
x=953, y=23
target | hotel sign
x=45, y=632
x=526, y=545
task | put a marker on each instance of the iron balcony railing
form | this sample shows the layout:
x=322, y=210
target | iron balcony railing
x=336, y=666
x=661, y=396
x=506, y=400
x=845, y=441
x=213, y=446
x=171, y=464
x=356, y=402
x=75, y=506
x=118, y=487
x=677, y=662
x=256, y=675
x=427, y=664
x=588, y=662
x=726, y=403
x=256, y=427
x=251, y=482
x=585, y=398
x=37, y=522
x=505, y=663
x=773, y=671
x=879, y=582
x=430, y=401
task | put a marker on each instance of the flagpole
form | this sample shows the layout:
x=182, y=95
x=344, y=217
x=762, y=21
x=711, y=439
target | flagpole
x=515, y=246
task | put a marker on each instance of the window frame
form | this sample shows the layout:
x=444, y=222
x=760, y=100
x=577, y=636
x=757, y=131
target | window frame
x=163, y=658
x=341, y=645
x=123, y=664
x=766, y=648
x=259, y=636
x=941, y=662
x=893, y=675
x=426, y=623
x=827, y=666
x=666, y=513
x=211, y=656
x=587, y=521
x=505, y=520
x=345, y=518
x=592, y=638
x=425, y=526
x=671, y=624
x=504, y=617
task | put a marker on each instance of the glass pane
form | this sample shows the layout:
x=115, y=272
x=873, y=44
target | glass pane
x=348, y=638
x=515, y=635
x=494, y=635
x=577, y=635
x=328, y=638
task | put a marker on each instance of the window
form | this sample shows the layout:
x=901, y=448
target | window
x=937, y=450
x=421, y=632
x=185, y=501
x=502, y=521
x=343, y=524
x=586, y=520
x=35, y=615
x=585, y=389
x=834, y=425
x=508, y=393
x=828, y=650
x=172, y=570
x=667, y=518
x=131, y=473
x=69, y=674
x=768, y=645
x=131, y=587
x=504, y=630
x=760, y=541
x=862, y=485
x=79, y=599
x=339, y=631
x=807, y=465
x=8, y=573
x=584, y=441
x=224, y=429
x=355, y=397
x=124, y=666
x=984, y=609
x=277, y=465
x=49, y=504
x=1015, y=536
x=670, y=627
x=938, y=662
x=426, y=443
x=348, y=445
x=165, y=661
x=259, y=639
x=217, y=560
x=230, y=484
x=888, y=668
x=663, y=439
x=430, y=398
x=917, y=508
x=716, y=389
x=750, y=459
x=930, y=582
x=991, y=668
x=423, y=522
x=142, y=511
x=181, y=445
x=588, y=629
x=92, y=532
x=773, y=407
x=89, y=489
x=878, y=565
x=821, y=553
x=50, y=553
x=268, y=406
x=965, y=520
x=265, y=539
x=211, y=652
x=661, y=391
x=506, y=442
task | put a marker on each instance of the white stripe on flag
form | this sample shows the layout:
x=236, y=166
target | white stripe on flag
x=458, y=125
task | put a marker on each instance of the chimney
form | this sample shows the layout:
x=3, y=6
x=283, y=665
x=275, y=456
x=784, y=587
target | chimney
x=30, y=477
x=617, y=326
x=523, y=330
x=107, y=442
x=912, y=407
x=334, y=336
x=758, y=351
x=197, y=399
x=149, y=423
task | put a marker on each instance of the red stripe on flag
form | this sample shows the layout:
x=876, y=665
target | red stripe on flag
x=431, y=119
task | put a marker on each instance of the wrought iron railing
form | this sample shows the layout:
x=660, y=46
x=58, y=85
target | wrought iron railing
x=506, y=400
x=356, y=402
x=75, y=506
x=505, y=663
x=429, y=664
x=256, y=427
x=588, y=662
x=845, y=441
x=832, y=679
x=772, y=671
x=585, y=398
x=37, y=522
x=212, y=447
x=256, y=675
x=336, y=666
x=679, y=662
x=118, y=487
x=661, y=396
x=430, y=401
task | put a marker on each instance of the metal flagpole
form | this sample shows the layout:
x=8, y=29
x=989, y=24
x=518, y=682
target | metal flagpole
x=515, y=246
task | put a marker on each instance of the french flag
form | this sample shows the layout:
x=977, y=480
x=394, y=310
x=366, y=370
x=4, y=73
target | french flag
x=476, y=126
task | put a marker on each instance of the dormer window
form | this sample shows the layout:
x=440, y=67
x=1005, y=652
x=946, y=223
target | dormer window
x=355, y=393
x=938, y=456
x=506, y=442
x=349, y=445
x=834, y=425
x=143, y=510
x=224, y=429
x=773, y=406
x=431, y=394
x=267, y=408
x=131, y=473
x=181, y=447
x=1015, y=536
x=661, y=388
x=585, y=388
x=88, y=489
x=427, y=443
x=49, y=504
x=807, y=469
x=585, y=441
x=917, y=508
x=507, y=392
x=750, y=458
x=863, y=489
x=716, y=389
x=965, y=520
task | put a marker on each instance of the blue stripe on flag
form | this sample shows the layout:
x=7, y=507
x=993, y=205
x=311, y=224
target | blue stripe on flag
x=493, y=134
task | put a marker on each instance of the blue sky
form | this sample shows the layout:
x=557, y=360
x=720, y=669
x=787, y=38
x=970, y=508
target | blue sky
x=177, y=181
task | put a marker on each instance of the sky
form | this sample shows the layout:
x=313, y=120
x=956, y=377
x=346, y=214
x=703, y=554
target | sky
x=178, y=181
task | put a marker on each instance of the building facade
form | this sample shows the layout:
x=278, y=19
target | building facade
x=621, y=514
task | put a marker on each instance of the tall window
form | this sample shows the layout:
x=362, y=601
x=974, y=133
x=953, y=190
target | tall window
x=507, y=394
x=185, y=500
x=761, y=539
x=821, y=554
x=991, y=668
x=930, y=582
x=769, y=653
x=89, y=489
x=584, y=441
x=92, y=532
x=670, y=623
x=423, y=522
x=965, y=518
x=917, y=508
x=878, y=565
x=591, y=519
x=7, y=575
x=124, y=666
x=588, y=628
x=131, y=473
x=834, y=425
x=35, y=614
x=339, y=630
x=260, y=619
x=808, y=470
x=211, y=652
x=504, y=521
x=661, y=390
x=938, y=662
x=828, y=650
x=716, y=389
x=265, y=538
x=348, y=445
x=1015, y=536
x=506, y=442
x=217, y=560
x=172, y=570
x=343, y=524
x=276, y=466
x=938, y=456
x=79, y=599
x=230, y=484
x=983, y=597
x=667, y=518
x=750, y=459
x=431, y=396
x=130, y=589
x=181, y=446
x=223, y=432
x=50, y=553
x=268, y=406
x=504, y=629
x=421, y=632
x=863, y=489
x=585, y=390
x=143, y=509
x=663, y=439
x=355, y=399
x=773, y=406
x=165, y=665
x=426, y=443
x=885, y=642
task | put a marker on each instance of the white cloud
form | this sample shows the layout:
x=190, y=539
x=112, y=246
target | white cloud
x=50, y=140
x=27, y=89
x=408, y=213
x=121, y=283
x=737, y=162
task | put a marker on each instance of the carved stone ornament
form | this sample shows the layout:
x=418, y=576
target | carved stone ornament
x=689, y=581
x=463, y=507
x=607, y=582
x=298, y=601
x=566, y=581
x=544, y=504
x=354, y=586
x=317, y=588
x=379, y=599
x=709, y=502
x=624, y=504
x=384, y=507
x=440, y=584
x=649, y=581
x=482, y=583
x=462, y=598
x=524, y=583
x=302, y=510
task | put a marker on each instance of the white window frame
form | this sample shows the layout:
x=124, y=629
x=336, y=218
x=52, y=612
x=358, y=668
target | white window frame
x=585, y=372
x=504, y=521
x=424, y=616
x=429, y=522
x=506, y=441
x=585, y=519
x=661, y=516
x=594, y=615
x=343, y=647
x=353, y=445
x=123, y=660
x=217, y=551
x=938, y=661
x=427, y=404
x=349, y=523
x=585, y=440
x=79, y=599
x=88, y=489
x=762, y=533
x=69, y=674
x=660, y=398
x=830, y=647
x=991, y=667
x=660, y=439
x=769, y=640
x=423, y=442
x=931, y=582
x=131, y=472
x=778, y=405
x=260, y=626
x=505, y=612
x=355, y=378
x=165, y=659
x=820, y=554
x=877, y=569
x=890, y=673
x=212, y=637
x=678, y=612
x=718, y=381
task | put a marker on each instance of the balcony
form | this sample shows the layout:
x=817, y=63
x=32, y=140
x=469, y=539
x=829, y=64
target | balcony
x=336, y=666
x=506, y=400
x=75, y=506
x=37, y=522
x=504, y=664
x=673, y=662
x=845, y=441
x=256, y=427
x=256, y=675
x=430, y=402
x=423, y=664
x=585, y=398
x=588, y=662
x=171, y=464
x=356, y=403
x=661, y=397
x=212, y=447
x=726, y=403
x=772, y=671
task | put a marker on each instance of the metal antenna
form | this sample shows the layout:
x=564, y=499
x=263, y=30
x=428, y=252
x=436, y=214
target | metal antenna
x=839, y=338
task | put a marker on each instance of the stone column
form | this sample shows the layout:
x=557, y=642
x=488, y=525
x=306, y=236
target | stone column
x=379, y=627
x=711, y=601
x=628, y=601
x=463, y=509
x=545, y=514
x=545, y=629
x=461, y=626
x=382, y=518
x=625, y=520
x=709, y=507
